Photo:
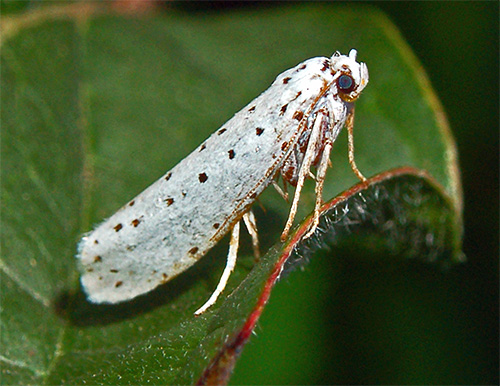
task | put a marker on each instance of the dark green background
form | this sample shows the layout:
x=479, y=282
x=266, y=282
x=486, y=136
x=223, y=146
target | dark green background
x=353, y=321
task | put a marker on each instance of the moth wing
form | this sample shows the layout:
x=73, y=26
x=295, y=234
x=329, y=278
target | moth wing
x=174, y=222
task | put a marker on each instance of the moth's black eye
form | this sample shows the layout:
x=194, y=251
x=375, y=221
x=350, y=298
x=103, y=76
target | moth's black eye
x=345, y=83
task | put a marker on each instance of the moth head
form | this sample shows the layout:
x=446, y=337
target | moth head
x=351, y=77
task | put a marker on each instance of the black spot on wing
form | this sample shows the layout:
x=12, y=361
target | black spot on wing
x=202, y=177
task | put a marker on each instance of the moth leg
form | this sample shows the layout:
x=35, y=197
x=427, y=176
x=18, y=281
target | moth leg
x=350, y=139
x=231, y=262
x=304, y=171
x=280, y=191
x=320, y=179
x=251, y=224
x=285, y=188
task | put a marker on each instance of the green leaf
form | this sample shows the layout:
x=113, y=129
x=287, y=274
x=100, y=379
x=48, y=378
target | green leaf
x=97, y=107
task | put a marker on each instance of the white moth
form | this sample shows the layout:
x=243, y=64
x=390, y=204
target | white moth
x=286, y=131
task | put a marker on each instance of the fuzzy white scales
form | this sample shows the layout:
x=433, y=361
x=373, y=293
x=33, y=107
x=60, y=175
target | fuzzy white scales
x=164, y=230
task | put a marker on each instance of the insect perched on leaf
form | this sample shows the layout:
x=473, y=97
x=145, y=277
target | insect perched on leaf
x=285, y=131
